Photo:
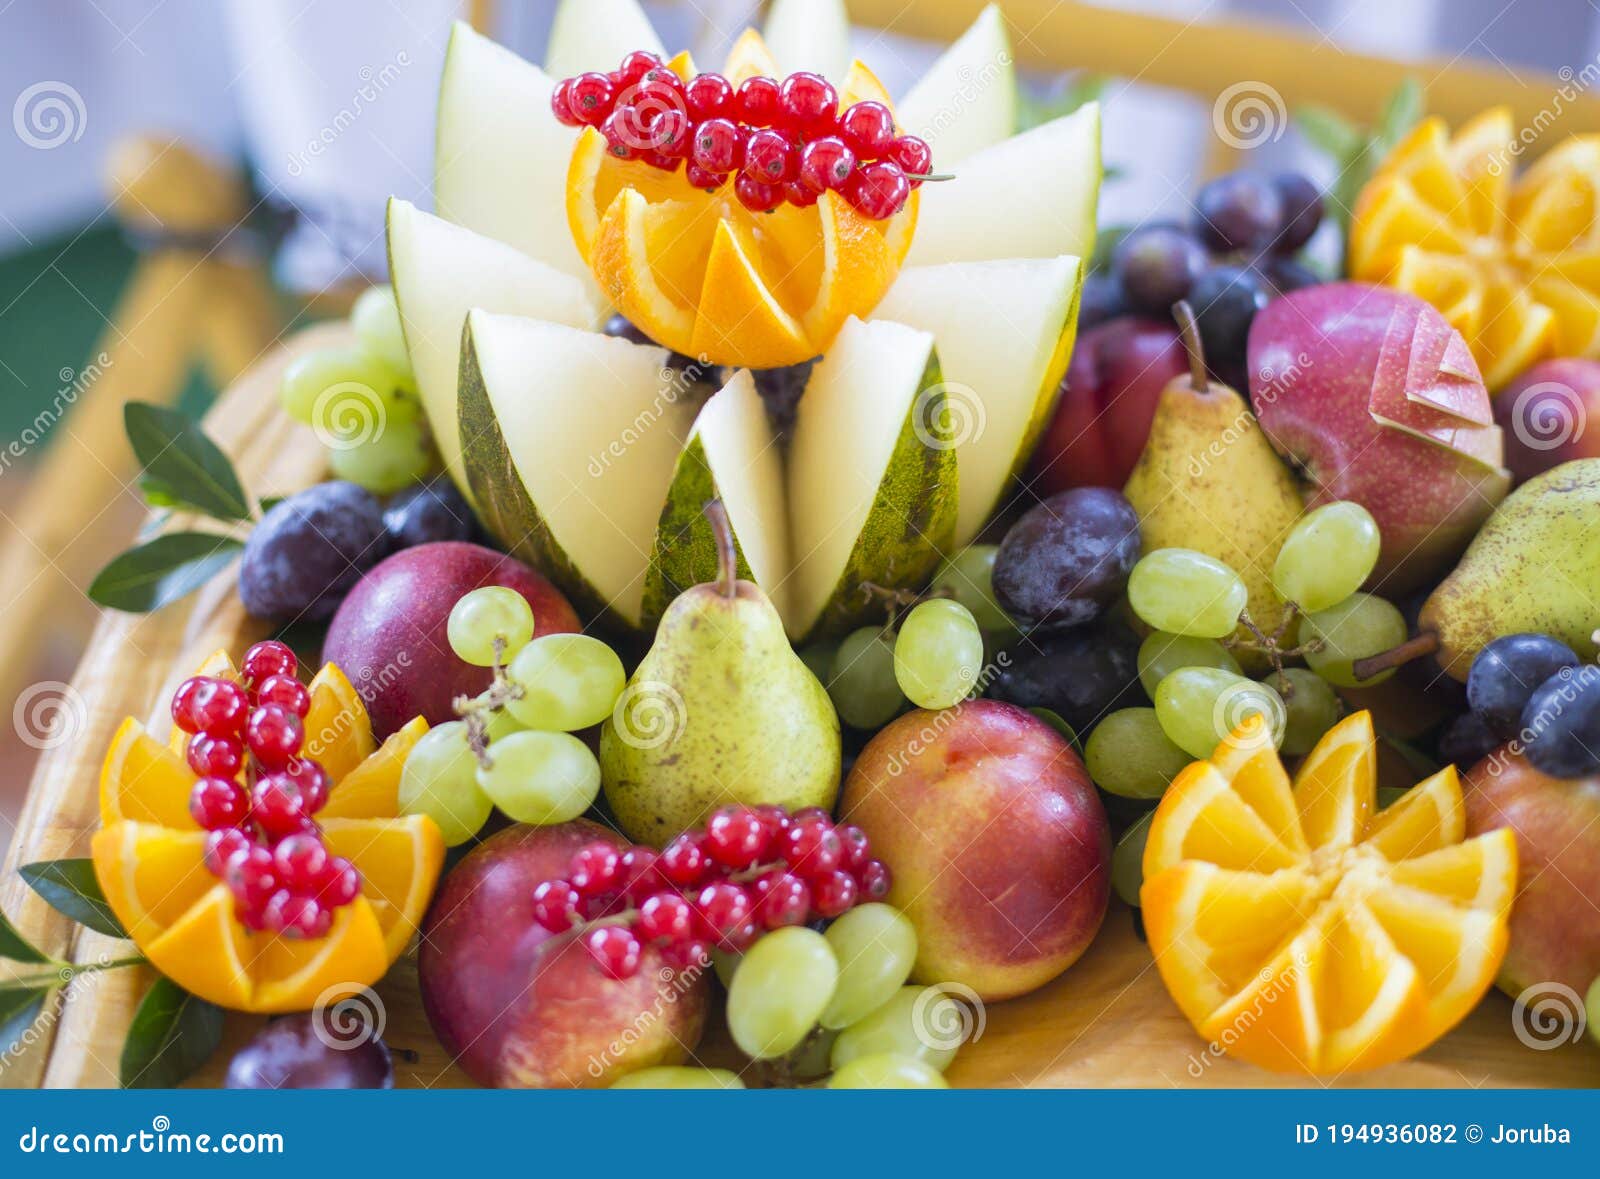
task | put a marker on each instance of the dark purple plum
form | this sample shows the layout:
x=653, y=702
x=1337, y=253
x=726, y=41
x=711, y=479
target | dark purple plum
x=332, y=1048
x=1156, y=265
x=1080, y=675
x=1102, y=298
x=1561, y=724
x=428, y=512
x=1067, y=558
x=309, y=550
x=1225, y=301
x=1466, y=741
x=780, y=390
x=1506, y=673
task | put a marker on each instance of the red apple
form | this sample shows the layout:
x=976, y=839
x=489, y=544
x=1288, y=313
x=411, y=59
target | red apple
x=389, y=633
x=1377, y=399
x=1107, y=401
x=519, y=1007
x=999, y=846
x=1555, y=924
x=1546, y=416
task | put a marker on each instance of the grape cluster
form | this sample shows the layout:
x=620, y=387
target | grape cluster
x=748, y=870
x=258, y=794
x=514, y=746
x=778, y=141
x=1533, y=690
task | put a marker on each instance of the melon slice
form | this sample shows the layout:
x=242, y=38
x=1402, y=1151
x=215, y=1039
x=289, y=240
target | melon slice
x=441, y=271
x=597, y=35
x=810, y=35
x=732, y=455
x=500, y=156
x=1004, y=331
x=967, y=100
x=872, y=475
x=1031, y=196
x=570, y=440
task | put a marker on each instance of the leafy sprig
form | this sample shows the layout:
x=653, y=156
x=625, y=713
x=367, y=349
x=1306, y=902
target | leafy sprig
x=1357, y=150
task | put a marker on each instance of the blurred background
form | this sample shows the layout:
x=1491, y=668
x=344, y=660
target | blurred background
x=184, y=181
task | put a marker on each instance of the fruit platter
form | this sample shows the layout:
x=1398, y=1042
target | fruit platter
x=776, y=591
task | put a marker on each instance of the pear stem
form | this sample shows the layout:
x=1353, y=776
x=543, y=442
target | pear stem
x=1189, y=330
x=1425, y=643
x=727, y=556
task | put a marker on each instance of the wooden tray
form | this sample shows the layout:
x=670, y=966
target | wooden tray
x=1106, y=1022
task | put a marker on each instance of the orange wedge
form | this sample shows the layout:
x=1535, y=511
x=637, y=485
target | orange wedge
x=1301, y=929
x=143, y=780
x=1509, y=263
x=701, y=274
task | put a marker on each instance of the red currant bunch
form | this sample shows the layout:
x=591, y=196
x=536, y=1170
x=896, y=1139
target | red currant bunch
x=748, y=870
x=775, y=141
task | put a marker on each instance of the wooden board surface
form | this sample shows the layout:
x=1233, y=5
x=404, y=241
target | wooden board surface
x=1106, y=1022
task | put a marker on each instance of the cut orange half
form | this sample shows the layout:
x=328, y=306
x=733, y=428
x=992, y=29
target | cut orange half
x=1301, y=929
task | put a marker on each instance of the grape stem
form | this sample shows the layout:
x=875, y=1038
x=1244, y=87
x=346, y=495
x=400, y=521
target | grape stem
x=1273, y=645
x=898, y=599
x=1425, y=643
x=475, y=711
x=727, y=555
x=1189, y=330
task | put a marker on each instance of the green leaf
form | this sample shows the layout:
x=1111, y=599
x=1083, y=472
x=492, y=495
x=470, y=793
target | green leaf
x=1328, y=131
x=268, y=502
x=150, y=575
x=20, y=1004
x=172, y=1034
x=185, y=464
x=70, y=887
x=1065, y=97
x=1400, y=115
x=16, y=947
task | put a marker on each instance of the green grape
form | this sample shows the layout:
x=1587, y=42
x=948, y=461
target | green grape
x=862, y=679
x=1326, y=556
x=483, y=616
x=938, y=654
x=568, y=682
x=387, y=462
x=666, y=1076
x=1127, y=860
x=875, y=945
x=1592, y=1006
x=1163, y=653
x=1357, y=627
x=540, y=778
x=376, y=319
x=884, y=1071
x=1389, y=795
x=782, y=985
x=818, y=658
x=1129, y=754
x=1199, y=706
x=923, y=1023
x=725, y=963
x=440, y=780
x=1187, y=593
x=968, y=578
x=1313, y=708
x=329, y=375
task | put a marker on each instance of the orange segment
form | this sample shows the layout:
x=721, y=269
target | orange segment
x=1249, y=761
x=1336, y=788
x=399, y=861
x=1480, y=874
x=150, y=874
x=338, y=732
x=750, y=58
x=1201, y=818
x=205, y=952
x=144, y=780
x=1428, y=817
x=738, y=315
x=295, y=974
x=372, y=789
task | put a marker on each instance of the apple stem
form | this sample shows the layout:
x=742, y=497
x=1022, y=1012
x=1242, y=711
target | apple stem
x=1425, y=643
x=727, y=556
x=1189, y=330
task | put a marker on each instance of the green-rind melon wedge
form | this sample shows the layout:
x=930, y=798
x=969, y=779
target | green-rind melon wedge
x=872, y=476
x=810, y=35
x=1004, y=331
x=597, y=35
x=967, y=99
x=570, y=440
x=440, y=272
x=732, y=455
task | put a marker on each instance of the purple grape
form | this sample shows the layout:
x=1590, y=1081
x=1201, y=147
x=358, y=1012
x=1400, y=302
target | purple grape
x=1102, y=298
x=426, y=513
x=308, y=550
x=1561, y=724
x=1067, y=558
x=1239, y=211
x=313, y=1050
x=1080, y=675
x=1225, y=301
x=624, y=328
x=1302, y=211
x=1505, y=674
x=780, y=390
x=1285, y=275
x=1156, y=265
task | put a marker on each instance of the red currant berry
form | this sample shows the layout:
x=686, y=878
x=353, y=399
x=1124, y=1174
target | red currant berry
x=798, y=195
x=204, y=704
x=878, y=190
x=812, y=848
x=913, y=155
x=807, y=102
x=311, y=780
x=857, y=847
x=810, y=814
x=623, y=135
x=786, y=900
x=594, y=869
x=740, y=939
x=773, y=818
x=666, y=917
x=756, y=102
x=636, y=65
x=867, y=128
x=694, y=954
x=833, y=893
x=660, y=81
x=268, y=659
x=278, y=807
x=666, y=163
x=590, y=98
x=722, y=908
x=718, y=146
x=301, y=860
x=671, y=135
x=555, y=905
x=770, y=157
x=252, y=876
x=756, y=196
x=683, y=861
x=286, y=692
x=875, y=880
x=560, y=103
x=274, y=735
x=615, y=950
x=826, y=163
x=214, y=757
x=295, y=915
x=735, y=838
x=340, y=884
x=222, y=846
x=216, y=803
x=637, y=875
x=701, y=179
x=708, y=96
